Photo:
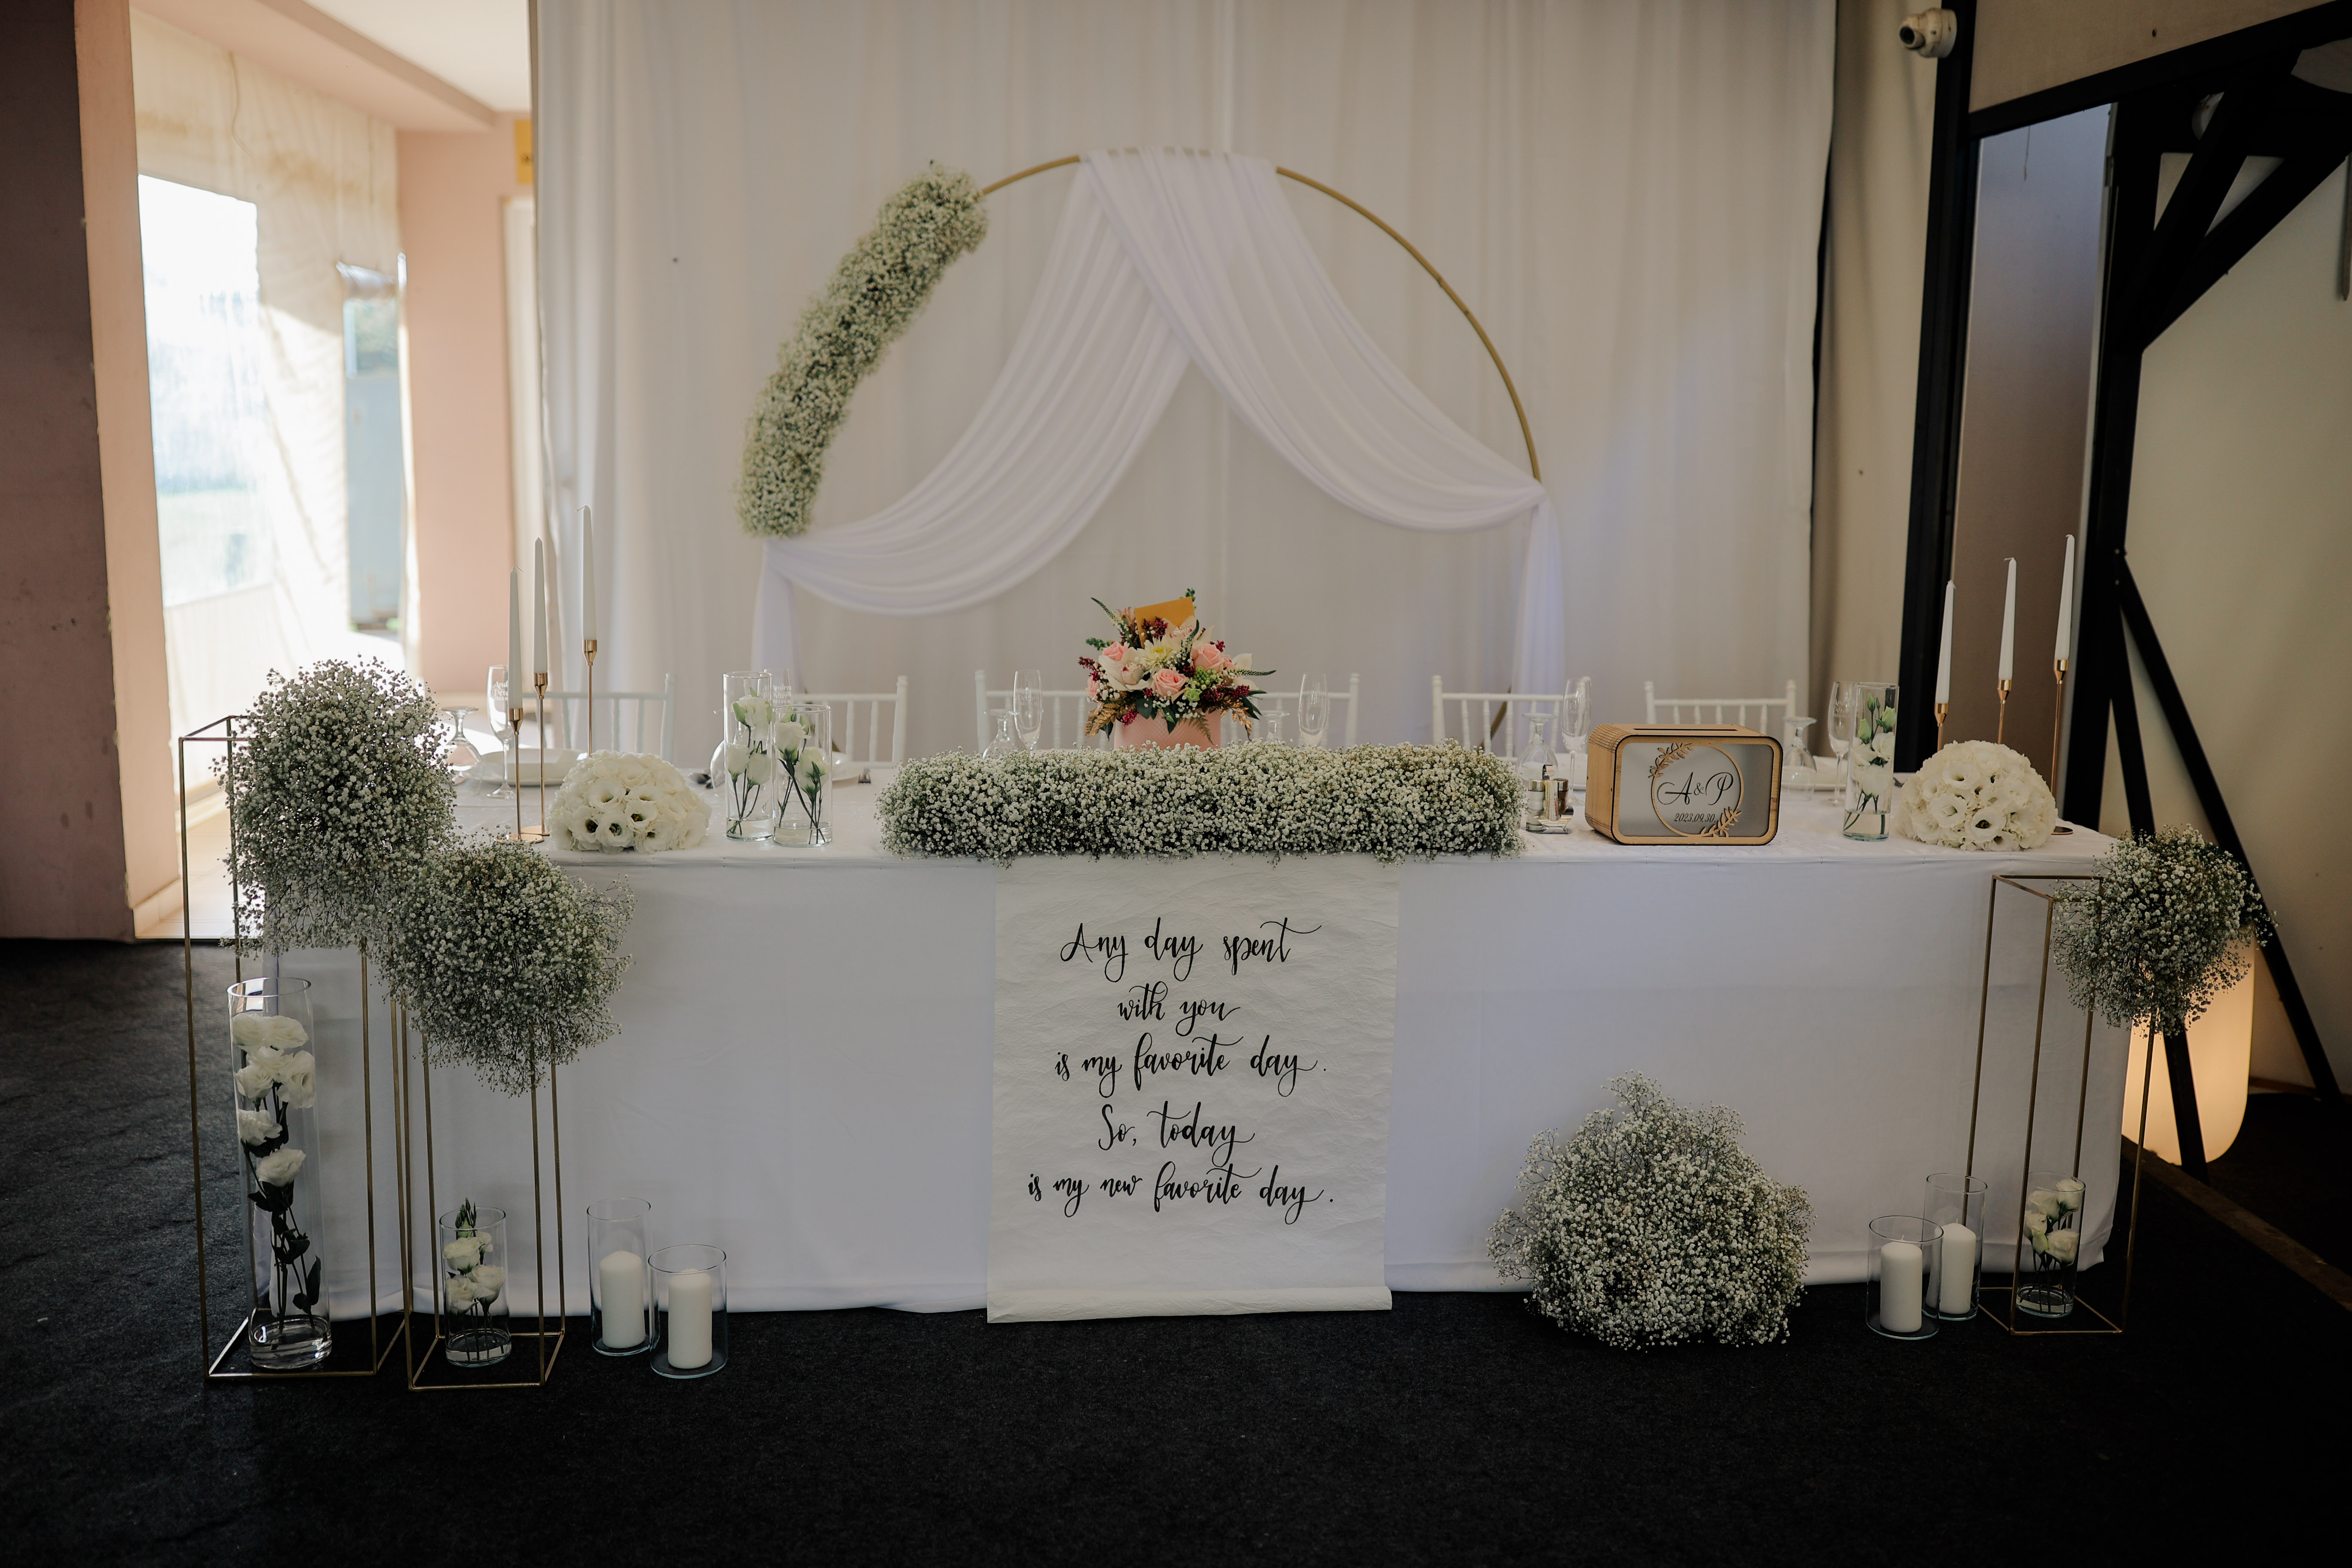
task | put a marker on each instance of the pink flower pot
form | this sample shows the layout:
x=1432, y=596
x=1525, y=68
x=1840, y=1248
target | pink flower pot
x=1155, y=733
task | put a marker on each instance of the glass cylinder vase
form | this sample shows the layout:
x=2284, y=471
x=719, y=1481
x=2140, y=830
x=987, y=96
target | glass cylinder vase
x=475, y=1330
x=2050, y=1239
x=1902, y=1264
x=804, y=774
x=1957, y=1203
x=620, y=1279
x=744, y=772
x=690, y=1294
x=1870, y=773
x=276, y=1079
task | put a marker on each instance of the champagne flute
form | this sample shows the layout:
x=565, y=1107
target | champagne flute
x=1575, y=726
x=1028, y=707
x=501, y=726
x=1842, y=703
x=1313, y=709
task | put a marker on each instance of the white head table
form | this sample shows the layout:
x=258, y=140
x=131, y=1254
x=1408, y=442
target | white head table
x=802, y=1070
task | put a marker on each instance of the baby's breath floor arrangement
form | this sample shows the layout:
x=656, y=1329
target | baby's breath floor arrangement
x=880, y=286
x=2172, y=922
x=506, y=964
x=339, y=799
x=1392, y=802
x=1652, y=1226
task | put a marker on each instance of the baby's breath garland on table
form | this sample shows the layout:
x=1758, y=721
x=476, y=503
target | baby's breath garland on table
x=337, y=798
x=506, y=964
x=880, y=287
x=2172, y=923
x=1392, y=802
x=1652, y=1226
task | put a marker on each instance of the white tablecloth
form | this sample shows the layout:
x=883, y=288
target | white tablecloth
x=803, y=1071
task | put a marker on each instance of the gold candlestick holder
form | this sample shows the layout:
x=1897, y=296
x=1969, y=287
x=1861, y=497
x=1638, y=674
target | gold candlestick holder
x=588, y=651
x=2057, y=729
x=2001, y=727
x=539, y=681
x=1942, y=708
x=514, y=781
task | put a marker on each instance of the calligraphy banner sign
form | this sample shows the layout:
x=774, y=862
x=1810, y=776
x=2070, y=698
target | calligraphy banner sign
x=1191, y=1091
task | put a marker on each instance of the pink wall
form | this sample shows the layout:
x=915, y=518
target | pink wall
x=451, y=230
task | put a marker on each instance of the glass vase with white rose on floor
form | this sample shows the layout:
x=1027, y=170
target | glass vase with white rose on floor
x=2051, y=1241
x=805, y=767
x=474, y=1285
x=276, y=1083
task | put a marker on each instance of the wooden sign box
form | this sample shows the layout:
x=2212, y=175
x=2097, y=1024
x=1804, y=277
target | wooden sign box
x=1684, y=783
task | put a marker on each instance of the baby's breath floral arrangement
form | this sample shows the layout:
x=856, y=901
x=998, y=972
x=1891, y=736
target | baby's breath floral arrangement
x=880, y=287
x=1392, y=802
x=1977, y=794
x=1652, y=1226
x=617, y=801
x=506, y=964
x=2172, y=923
x=337, y=798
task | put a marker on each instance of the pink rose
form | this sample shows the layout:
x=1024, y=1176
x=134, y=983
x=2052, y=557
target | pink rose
x=1094, y=687
x=1208, y=655
x=1117, y=653
x=1166, y=684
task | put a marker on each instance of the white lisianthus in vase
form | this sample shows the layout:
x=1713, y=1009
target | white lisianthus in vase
x=473, y=1289
x=804, y=757
x=1870, y=782
x=2053, y=1240
x=746, y=759
x=277, y=1096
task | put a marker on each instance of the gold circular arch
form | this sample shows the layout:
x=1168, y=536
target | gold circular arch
x=1535, y=469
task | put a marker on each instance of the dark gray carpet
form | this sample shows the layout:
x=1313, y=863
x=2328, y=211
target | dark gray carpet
x=1456, y=1428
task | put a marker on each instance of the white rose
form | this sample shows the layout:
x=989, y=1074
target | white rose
x=737, y=755
x=812, y=773
x=759, y=769
x=2061, y=1245
x=254, y=1128
x=283, y=1034
x=247, y=1029
x=278, y=1169
x=462, y=1252
x=2070, y=1196
x=791, y=735
x=488, y=1282
x=459, y=1289
x=300, y=1074
x=258, y=1073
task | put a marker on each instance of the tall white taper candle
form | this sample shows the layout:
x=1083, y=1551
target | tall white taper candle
x=1944, y=659
x=514, y=638
x=587, y=576
x=2066, y=602
x=539, y=598
x=2009, y=625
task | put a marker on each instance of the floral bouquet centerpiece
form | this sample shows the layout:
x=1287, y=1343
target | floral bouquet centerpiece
x=1164, y=668
x=627, y=800
x=1977, y=794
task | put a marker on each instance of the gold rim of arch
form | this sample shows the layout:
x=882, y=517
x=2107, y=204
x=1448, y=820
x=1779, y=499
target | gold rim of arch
x=1535, y=469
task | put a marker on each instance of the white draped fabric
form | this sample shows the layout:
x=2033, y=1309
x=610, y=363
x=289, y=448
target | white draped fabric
x=1628, y=195
x=1165, y=256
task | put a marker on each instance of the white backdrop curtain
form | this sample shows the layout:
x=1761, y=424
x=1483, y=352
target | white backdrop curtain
x=1164, y=257
x=1630, y=196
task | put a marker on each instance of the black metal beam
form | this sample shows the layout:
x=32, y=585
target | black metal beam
x=1936, y=423
x=2225, y=829
x=2264, y=209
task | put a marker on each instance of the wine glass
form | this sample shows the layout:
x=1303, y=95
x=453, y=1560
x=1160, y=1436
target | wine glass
x=1533, y=760
x=458, y=713
x=1796, y=763
x=1005, y=742
x=1844, y=701
x=1269, y=723
x=1575, y=725
x=1028, y=706
x=502, y=726
x=1313, y=709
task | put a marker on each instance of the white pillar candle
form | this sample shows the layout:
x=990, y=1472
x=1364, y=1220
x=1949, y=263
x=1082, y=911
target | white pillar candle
x=2065, y=600
x=1900, y=1288
x=539, y=598
x=1958, y=1270
x=2009, y=625
x=1944, y=659
x=514, y=635
x=689, y=1318
x=621, y=1282
x=589, y=575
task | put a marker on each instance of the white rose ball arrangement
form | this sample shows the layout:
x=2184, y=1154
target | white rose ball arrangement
x=1977, y=794
x=618, y=801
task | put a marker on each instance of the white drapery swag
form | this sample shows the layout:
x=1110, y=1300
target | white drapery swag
x=1165, y=256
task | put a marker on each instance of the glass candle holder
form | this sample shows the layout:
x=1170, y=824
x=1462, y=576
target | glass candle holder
x=1870, y=778
x=1905, y=1251
x=475, y=1330
x=2049, y=1244
x=1957, y=1203
x=804, y=772
x=690, y=1294
x=276, y=1084
x=620, y=1276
